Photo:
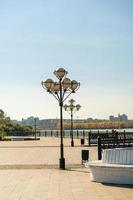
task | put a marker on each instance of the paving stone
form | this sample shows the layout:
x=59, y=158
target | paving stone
x=48, y=182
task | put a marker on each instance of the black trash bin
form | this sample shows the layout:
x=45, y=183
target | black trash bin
x=85, y=155
x=82, y=141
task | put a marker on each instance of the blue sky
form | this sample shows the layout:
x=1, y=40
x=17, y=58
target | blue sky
x=92, y=40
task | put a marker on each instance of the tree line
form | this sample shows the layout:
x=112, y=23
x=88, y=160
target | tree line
x=98, y=125
x=8, y=127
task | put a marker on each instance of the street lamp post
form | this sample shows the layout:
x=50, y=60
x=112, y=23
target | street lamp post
x=72, y=109
x=61, y=90
x=35, y=119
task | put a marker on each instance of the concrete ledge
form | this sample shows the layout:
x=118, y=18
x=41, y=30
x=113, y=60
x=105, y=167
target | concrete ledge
x=110, y=173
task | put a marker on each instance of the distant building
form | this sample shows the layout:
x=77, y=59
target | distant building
x=29, y=120
x=123, y=118
x=120, y=118
x=111, y=118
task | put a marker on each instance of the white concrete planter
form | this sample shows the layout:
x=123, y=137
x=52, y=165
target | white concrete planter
x=116, y=167
x=123, y=156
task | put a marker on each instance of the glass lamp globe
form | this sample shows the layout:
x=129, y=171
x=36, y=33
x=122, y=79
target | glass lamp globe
x=78, y=106
x=65, y=107
x=60, y=73
x=56, y=87
x=66, y=83
x=74, y=85
x=47, y=84
x=71, y=101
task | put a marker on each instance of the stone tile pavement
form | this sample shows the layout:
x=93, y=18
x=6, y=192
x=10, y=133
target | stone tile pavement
x=50, y=183
x=43, y=152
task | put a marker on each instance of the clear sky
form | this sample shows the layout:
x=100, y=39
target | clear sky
x=91, y=39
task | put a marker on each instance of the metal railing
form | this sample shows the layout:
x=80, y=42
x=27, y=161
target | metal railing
x=90, y=135
x=110, y=143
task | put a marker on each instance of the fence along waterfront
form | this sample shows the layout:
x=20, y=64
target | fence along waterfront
x=90, y=135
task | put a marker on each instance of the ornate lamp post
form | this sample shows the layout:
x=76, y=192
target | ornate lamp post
x=61, y=90
x=72, y=109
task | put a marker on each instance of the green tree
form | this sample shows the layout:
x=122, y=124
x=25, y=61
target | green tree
x=7, y=127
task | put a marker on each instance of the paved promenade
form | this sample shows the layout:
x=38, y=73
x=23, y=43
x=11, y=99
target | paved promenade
x=29, y=171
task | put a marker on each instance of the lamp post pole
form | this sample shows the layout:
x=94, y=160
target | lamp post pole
x=72, y=142
x=72, y=109
x=35, y=119
x=62, y=160
x=61, y=90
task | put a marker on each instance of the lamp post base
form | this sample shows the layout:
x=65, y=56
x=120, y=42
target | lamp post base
x=72, y=143
x=62, y=163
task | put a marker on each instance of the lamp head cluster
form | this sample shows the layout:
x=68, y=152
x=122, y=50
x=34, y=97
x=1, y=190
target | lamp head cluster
x=64, y=84
x=71, y=106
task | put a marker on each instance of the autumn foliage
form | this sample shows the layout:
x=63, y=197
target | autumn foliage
x=98, y=125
